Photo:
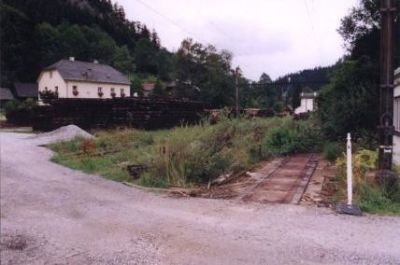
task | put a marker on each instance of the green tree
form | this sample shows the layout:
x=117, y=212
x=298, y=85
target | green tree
x=123, y=61
x=205, y=74
x=16, y=45
x=165, y=65
x=36, y=33
x=158, y=89
x=146, y=57
x=350, y=103
x=48, y=38
x=136, y=86
x=265, y=79
x=296, y=100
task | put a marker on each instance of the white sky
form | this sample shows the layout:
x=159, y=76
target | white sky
x=272, y=36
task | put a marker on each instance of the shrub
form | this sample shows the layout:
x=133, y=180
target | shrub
x=363, y=161
x=293, y=137
x=332, y=151
x=374, y=198
x=278, y=107
x=20, y=112
x=280, y=141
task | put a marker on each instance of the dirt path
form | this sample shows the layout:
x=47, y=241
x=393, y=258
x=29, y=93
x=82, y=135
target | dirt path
x=54, y=215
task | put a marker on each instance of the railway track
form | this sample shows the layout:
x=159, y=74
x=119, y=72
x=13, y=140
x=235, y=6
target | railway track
x=286, y=183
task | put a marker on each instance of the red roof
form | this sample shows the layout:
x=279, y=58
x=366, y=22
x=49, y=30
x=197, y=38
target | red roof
x=148, y=86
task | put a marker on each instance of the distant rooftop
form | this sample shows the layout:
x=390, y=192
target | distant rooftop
x=5, y=94
x=26, y=90
x=309, y=95
x=72, y=70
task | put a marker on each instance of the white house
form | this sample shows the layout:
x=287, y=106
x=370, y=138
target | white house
x=76, y=79
x=307, y=103
x=396, y=118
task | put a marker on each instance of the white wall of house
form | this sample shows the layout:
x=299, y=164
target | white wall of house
x=52, y=80
x=306, y=105
x=396, y=119
x=90, y=90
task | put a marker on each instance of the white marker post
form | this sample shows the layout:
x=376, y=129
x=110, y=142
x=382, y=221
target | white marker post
x=349, y=207
x=349, y=171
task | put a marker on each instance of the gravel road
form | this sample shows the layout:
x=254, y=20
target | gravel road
x=54, y=215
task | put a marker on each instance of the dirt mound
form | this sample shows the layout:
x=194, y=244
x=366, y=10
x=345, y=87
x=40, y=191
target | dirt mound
x=61, y=134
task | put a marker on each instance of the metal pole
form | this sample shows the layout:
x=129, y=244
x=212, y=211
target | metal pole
x=349, y=165
x=237, y=72
x=386, y=129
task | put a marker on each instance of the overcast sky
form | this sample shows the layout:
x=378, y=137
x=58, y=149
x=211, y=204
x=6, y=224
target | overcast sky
x=272, y=36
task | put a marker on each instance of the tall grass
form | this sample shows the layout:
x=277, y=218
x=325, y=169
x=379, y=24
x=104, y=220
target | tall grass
x=187, y=154
x=372, y=197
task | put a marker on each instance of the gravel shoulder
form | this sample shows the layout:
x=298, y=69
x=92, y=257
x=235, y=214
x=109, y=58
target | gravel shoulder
x=55, y=215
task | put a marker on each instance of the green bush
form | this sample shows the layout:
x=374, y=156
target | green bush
x=278, y=107
x=293, y=137
x=332, y=151
x=20, y=112
x=372, y=197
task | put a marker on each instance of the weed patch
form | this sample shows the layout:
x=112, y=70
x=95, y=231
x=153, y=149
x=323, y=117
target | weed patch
x=383, y=198
x=187, y=155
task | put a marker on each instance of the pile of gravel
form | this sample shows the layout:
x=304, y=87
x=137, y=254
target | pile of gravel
x=65, y=133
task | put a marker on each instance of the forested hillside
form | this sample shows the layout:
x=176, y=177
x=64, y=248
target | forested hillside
x=36, y=33
x=312, y=78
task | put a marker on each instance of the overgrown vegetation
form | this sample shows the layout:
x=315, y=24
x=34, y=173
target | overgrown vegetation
x=371, y=196
x=186, y=155
x=332, y=151
x=350, y=102
x=20, y=112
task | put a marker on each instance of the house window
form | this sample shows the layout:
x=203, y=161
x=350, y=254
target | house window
x=113, y=94
x=56, y=89
x=45, y=88
x=396, y=114
x=100, y=91
x=75, y=91
x=122, y=93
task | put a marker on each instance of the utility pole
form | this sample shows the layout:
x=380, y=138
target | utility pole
x=237, y=73
x=386, y=128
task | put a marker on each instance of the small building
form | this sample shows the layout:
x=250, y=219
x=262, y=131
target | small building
x=396, y=119
x=24, y=91
x=307, y=103
x=5, y=96
x=76, y=79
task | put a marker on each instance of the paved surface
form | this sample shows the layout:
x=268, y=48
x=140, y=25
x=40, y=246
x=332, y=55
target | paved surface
x=63, y=216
